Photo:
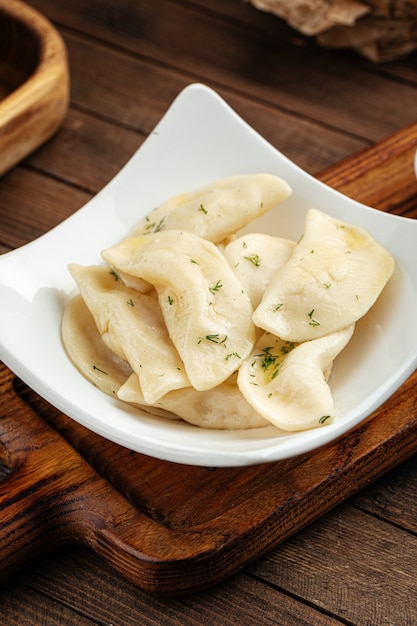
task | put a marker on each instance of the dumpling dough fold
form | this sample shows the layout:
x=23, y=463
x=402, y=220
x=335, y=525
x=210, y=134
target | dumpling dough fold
x=332, y=278
x=86, y=349
x=223, y=407
x=132, y=326
x=207, y=312
x=255, y=258
x=219, y=209
x=287, y=382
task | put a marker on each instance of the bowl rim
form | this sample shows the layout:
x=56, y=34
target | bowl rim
x=40, y=103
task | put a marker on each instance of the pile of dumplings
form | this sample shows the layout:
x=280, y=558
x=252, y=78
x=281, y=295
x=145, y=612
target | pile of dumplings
x=188, y=319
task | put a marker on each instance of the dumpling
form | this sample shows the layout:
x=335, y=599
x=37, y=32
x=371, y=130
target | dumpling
x=223, y=407
x=132, y=326
x=255, y=258
x=207, y=312
x=88, y=352
x=333, y=277
x=217, y=210
x=287, y=382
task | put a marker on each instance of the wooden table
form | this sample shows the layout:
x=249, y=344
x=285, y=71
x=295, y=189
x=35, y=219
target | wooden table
x=129, y=59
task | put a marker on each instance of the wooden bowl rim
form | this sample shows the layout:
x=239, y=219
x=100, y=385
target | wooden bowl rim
x=48, y=82
x=52, y=50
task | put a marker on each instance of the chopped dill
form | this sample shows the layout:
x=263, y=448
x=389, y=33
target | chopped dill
x=312, y=322
x=254, y=258
x=323, y=419
x=213, y=338
x=216, y=287
x=115, y=275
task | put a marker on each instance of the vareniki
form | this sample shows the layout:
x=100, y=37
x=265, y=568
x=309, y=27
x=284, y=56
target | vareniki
x=333, y=277
x=191, y=319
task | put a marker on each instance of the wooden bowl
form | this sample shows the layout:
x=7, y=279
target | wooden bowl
x=34, y=81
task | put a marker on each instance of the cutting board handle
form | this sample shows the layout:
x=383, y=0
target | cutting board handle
x=51, y=496
x=41, y=471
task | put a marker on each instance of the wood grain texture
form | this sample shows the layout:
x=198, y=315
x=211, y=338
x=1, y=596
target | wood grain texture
x=171, y=528
x=352, y=585
x=341, y=104
x=241, y=598
x=47, y=201
x=247, y=54
x=33, y=60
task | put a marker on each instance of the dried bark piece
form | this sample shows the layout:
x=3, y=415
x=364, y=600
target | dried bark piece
x=380, y=30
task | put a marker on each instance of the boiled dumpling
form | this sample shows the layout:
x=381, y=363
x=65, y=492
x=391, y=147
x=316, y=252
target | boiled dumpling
x=255, y=258
x=132, y=326
x=207, y=312
x=88, y=352
x=287, y=382
x=223, y=407
x=219, y=209
x=333, y=277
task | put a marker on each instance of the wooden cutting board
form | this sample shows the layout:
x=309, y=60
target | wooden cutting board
x=172, y=528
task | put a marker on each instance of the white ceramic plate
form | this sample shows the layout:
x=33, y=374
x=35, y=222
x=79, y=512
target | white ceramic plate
x=199, y=140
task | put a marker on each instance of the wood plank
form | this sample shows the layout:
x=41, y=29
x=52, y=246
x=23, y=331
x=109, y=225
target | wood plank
x=392, y=497
x=71, y=575
x=140, y=103
x=269, y=67
x=48, y=202
x=403, y=69
x=87, y=153
x=21, y=605
x=360, y=175
x=351, y=565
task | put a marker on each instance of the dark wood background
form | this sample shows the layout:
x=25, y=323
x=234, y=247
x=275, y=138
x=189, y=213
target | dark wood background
x=128, y=60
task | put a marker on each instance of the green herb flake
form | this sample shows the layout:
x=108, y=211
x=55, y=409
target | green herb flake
x=324, y=418
x=149, y=226
x=97, y=369
x=287, y=347
x=213, y=338
x=115, y=275
x=202, y=209
x=130, y=302
x=216, y=287
x=159, y=225
x=254, y=258
x=154, y=227
x=312, y=322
